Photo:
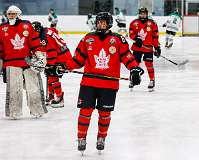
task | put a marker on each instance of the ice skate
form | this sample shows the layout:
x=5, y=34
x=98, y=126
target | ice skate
x=166, y=45
x=131, y=86
x=100, y=144
x=82, y=145
x=151, y=85
x=58, y=102
x=49, y=99
x=170, y=45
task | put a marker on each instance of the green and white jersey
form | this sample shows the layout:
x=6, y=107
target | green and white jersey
x=174, y=22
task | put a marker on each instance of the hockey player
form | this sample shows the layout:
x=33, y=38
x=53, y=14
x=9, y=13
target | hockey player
x=172, y=26
x=101, y=53
x=52, y=18
x=4, y=18
x=144, y=33
x=91, y=22
x=19, y=40
x=57, y=53
x=121, y=22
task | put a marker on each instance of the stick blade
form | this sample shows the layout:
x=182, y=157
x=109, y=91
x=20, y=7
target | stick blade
x=183, y=63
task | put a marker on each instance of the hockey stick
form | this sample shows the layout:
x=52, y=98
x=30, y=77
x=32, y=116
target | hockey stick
x=99, y=76
x=177, y=64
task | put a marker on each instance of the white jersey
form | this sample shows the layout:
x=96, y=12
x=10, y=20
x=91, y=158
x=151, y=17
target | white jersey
x=91, y=23
x=173, y=23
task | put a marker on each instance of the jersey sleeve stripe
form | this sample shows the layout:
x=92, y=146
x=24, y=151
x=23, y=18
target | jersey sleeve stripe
x=81, y=53
x=77, y=62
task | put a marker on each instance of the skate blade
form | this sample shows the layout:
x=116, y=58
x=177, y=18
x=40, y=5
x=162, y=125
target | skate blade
x=82, y=153
x=57, y=105
x=99, y=152
x=151, y=89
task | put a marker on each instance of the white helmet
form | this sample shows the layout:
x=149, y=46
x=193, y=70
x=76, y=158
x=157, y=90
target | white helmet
x=13, y=9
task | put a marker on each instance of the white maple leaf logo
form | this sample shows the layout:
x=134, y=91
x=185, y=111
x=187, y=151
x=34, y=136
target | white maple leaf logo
x=18, y=42
x=142, y=35
x=101, y=60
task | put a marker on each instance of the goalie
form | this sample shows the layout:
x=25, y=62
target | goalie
x=18, y=41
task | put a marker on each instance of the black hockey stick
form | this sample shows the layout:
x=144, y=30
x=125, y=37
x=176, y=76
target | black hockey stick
x=177, y=64
x=100, y=76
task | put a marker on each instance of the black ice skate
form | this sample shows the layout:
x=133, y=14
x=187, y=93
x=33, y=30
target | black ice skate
x=81, y=145
x=100, y=144
x=58, y=102
x=151, y=85
x=170, y=45
x=166, y=45
x=131, y=86
x=49, y=99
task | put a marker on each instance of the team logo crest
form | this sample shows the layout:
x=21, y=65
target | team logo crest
x=112, y=41
x=112, y=49
x=43, y=42
x=142, y=35
x=148, y=29
x=25, y=26
x=5, y=29
x=25, y=33
x=18, y=42
x=90, y=48
x=102, y=60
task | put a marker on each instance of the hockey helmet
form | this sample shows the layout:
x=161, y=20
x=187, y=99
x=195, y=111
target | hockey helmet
x=105, y=16
x=142, y=17
x=13, y=10
x=37, y=26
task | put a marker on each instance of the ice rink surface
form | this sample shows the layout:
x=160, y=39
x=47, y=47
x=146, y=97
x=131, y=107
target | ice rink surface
x=159, y=125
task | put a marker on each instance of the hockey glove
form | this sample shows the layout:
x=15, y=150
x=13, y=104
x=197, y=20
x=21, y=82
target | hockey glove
x=35, y=64
x=157, y=51
x=55, y=70
x=138, y=42
x=164, y=25
x=135, y=75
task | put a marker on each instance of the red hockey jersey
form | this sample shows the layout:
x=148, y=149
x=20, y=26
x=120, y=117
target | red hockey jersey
x=18, y=41
x=102, y=57
x=56, y=48
x=147, y=31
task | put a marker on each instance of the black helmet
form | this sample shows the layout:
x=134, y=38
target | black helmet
x=105, y=16
x=143, y=9
x=37, y=26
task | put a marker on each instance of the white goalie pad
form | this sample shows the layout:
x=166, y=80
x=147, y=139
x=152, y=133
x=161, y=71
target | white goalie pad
x=35, y=92
x=14, y=92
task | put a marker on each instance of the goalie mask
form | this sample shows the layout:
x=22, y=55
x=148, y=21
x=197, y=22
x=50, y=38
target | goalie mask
x=13, y=13
x=101, y=18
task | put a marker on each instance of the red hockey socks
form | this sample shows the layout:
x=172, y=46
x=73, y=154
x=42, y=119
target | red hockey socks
x=84, y=121
x=103, y=123
x=150, y=69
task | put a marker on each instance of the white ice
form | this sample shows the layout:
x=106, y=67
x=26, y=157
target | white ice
x=161, y=125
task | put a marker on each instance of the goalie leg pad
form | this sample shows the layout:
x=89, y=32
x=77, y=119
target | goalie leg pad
x=14, y=92
x=35, y=92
